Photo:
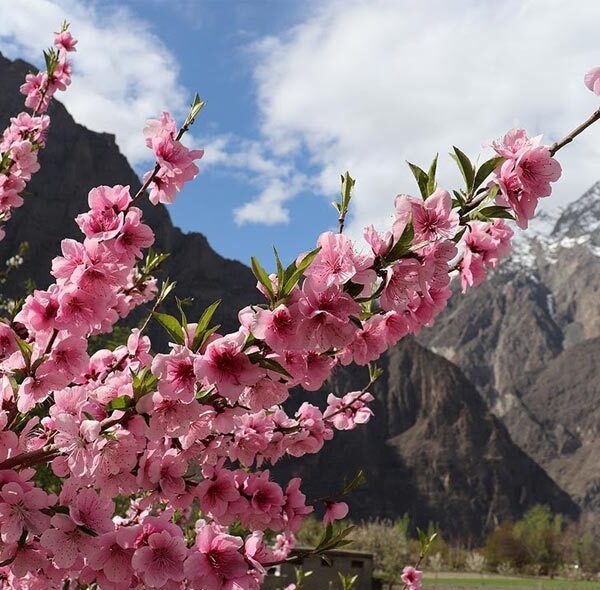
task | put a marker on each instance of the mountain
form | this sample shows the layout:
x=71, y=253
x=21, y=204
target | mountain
x=76, y=160
x=432, y=449
x=529, y=340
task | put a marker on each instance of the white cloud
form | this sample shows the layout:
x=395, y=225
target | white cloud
x=366, y=85
x=123, y=72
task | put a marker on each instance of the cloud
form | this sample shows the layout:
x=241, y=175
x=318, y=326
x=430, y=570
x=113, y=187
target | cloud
x=366, y=85
x=123, y=72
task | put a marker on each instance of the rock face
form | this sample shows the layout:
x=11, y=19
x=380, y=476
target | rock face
x=76, y=160
x=432, y=449
x=528, y=339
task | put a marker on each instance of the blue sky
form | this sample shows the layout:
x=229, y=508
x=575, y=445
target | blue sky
x=300, y=90
x=213, y=43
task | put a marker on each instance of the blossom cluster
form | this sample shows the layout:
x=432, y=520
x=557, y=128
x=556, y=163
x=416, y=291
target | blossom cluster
x=160, y=463
x=26, y=134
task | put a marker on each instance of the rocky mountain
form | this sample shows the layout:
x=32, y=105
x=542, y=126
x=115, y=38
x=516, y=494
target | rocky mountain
x=76, y=160
x=433, y=448
x=528, y=339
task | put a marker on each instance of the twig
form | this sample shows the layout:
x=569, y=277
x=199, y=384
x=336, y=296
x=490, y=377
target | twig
x=571, y=136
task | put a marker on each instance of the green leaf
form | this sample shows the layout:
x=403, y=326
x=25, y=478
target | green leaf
x=184, y=321
x=280, y=269
x=171, y=325
x=421, y=178
x=485, y=170
x=292, y=281
x=120, y=403
x=203, y=324
x=358, y=480
x=496, y=212
x=25, y=348
x=347, y=186
x=353, y=289
x=207, y=335
x=459, y=235
x=262, y=277
x=402, y=246
x=465, y=167
x=431, y=184
x=267, y=363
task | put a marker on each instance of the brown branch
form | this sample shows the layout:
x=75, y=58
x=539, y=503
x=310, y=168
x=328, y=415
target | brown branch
x=571, y=136
x=29, y=459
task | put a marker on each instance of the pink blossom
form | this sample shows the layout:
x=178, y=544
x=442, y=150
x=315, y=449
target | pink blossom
x=313, y=434
x=484, y=245
x=295, y=508
x=411, y=577
x=168, y=471
x=22, y=509
x=335, y=511
x=134, y=235
x=381, y=243
x=327, y=316
x=537, y=169
x=370, y=342
x=70, y=357
x=348, y=411
x=112, y=559
x=90, y=510
x=278, y=328
x=217, y=494
x=32, y=88
x=215, y=562
x=175, y=371
x=78, y=441
x=514, y=143
x=65, y=41
x=226, y=365
x=160, y=560
x=433, y=219
x=334, y=264
x=66, y=541
x=592, y=80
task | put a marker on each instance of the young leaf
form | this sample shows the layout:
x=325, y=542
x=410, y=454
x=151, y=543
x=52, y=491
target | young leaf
x=184, y=321
x=347, y=185
x=171, y=325
x=280, y=270
x=295, y=276
x=119, y=403
x=421, y=178
x=465, y=167
x=261, y=275
x=359, y=479
x=402, y=246
x=496, y=212
x=270, y=364
x=431, y=184
x=486, y=169
x=25, y=348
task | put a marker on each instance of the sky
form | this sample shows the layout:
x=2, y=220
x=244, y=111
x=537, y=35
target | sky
x=298, y=91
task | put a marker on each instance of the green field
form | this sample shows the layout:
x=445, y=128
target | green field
x=444, y=582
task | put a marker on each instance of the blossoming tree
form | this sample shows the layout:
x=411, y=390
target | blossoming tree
x=157, y=465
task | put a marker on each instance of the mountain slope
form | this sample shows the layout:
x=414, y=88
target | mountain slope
x=74, y=161
x=528, y=339
x=432, y=450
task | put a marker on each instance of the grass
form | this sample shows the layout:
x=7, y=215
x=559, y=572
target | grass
x=500, y=583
